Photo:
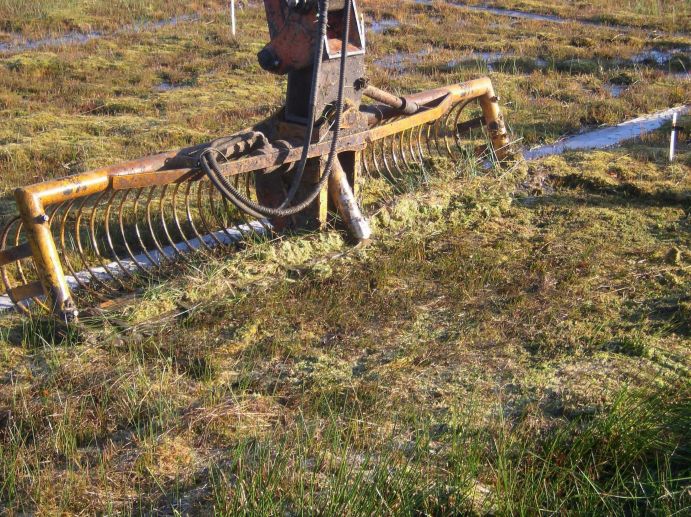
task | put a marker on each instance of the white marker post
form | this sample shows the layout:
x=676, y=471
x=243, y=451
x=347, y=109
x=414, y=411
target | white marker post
x=673, y=138
x=232, y=17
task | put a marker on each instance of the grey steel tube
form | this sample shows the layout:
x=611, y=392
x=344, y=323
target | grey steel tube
x=344, y=199
x=406, y=106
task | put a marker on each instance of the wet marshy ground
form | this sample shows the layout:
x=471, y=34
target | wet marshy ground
x=506, y=334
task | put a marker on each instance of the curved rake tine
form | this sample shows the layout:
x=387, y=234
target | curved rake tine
x=401, y=147
x=149, y=222
x=387, y=174
x=162, y=216
x=420, y=146
x=220, y=221
x=456, y=133
x=190, y=217
x=424, y=159
x=445, y=132
x=425, y=141
x=437, y=138
x=123, y=233
x=202, y=217
x=365, y=162
x=413, y=148
x=65, y=249
x=80, y=247
x=178, y=224
x=392, y=139
x=135, y=207
x=109, y=237
x=386, y=162
x=94, y=241
x=377, y=167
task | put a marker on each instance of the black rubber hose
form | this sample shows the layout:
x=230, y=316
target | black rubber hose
x=212, y=168
x=210, y=164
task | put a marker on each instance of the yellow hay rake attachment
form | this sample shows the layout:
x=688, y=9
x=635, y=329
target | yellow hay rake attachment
x=104, y=232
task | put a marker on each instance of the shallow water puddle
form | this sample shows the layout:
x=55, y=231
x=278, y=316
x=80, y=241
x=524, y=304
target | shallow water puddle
x=399, y=61
x=489, y=58
x=379, y=26
x=608, y=136
x=166, y=86
x=615, y=90
x=515, y=14
x=497, y=60
x=670, y=58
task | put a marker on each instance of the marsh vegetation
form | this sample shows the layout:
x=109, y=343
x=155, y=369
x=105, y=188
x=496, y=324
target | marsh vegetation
x=514, y=341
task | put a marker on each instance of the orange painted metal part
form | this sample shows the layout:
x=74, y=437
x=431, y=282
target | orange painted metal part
x=293, y=33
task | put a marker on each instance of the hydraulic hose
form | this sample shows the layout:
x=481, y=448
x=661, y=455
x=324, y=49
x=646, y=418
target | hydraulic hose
x=212, y=169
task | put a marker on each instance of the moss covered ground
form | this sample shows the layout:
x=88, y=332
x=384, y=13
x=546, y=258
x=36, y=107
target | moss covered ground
x=514, y=341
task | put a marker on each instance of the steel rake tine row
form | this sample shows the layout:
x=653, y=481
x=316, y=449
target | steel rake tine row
x=393, y=157
x=109, y=237
x=176, y=218
x=164, y=223
x=110, y=241
x=190, y=218
x=82, y=250
x=139, y=264
x=94, y=241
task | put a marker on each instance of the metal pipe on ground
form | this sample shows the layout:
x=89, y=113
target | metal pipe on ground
x=348, y=208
